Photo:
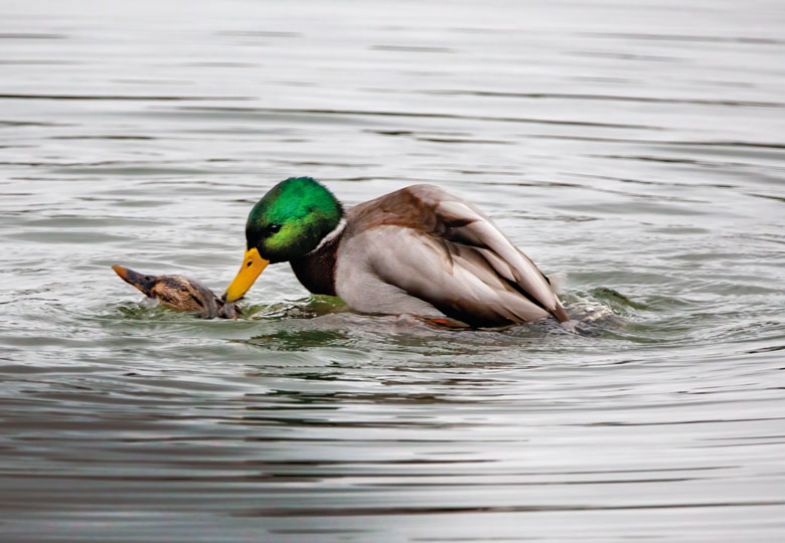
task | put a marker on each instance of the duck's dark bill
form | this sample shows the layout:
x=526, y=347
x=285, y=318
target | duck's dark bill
x=253, y=265
x=142, y=282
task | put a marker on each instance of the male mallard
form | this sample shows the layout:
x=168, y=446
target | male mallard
x=418, y=250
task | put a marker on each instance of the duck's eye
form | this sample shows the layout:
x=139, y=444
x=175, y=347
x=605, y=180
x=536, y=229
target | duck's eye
x=274, y=228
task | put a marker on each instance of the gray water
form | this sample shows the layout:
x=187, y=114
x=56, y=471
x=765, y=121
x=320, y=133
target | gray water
x=634, y=149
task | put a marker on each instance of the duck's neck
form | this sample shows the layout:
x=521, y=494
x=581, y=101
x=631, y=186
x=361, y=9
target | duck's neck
x=316, y=270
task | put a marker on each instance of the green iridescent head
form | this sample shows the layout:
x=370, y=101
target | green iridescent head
x=292, y=219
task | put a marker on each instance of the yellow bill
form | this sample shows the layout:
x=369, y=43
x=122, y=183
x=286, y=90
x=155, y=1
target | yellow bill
x=253, y=264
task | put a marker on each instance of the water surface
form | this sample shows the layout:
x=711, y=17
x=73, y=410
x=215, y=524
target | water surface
x=636, y=150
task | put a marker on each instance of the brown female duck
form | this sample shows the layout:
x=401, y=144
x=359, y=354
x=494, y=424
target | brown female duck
x=179, y=293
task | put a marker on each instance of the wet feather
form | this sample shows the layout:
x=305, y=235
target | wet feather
x=179, y=293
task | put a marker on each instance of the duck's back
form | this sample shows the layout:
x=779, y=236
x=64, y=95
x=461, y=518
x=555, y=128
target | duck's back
x=424, y=251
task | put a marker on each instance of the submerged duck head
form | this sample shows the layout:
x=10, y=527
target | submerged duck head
x=289, y=221
x=179, y=293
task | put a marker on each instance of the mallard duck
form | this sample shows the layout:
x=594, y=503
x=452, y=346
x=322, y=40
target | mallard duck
x=418, y=251
x=179, y=293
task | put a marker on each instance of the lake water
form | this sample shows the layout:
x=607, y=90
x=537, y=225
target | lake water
x=634, y=149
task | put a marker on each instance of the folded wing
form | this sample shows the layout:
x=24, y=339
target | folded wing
x=454, y=257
